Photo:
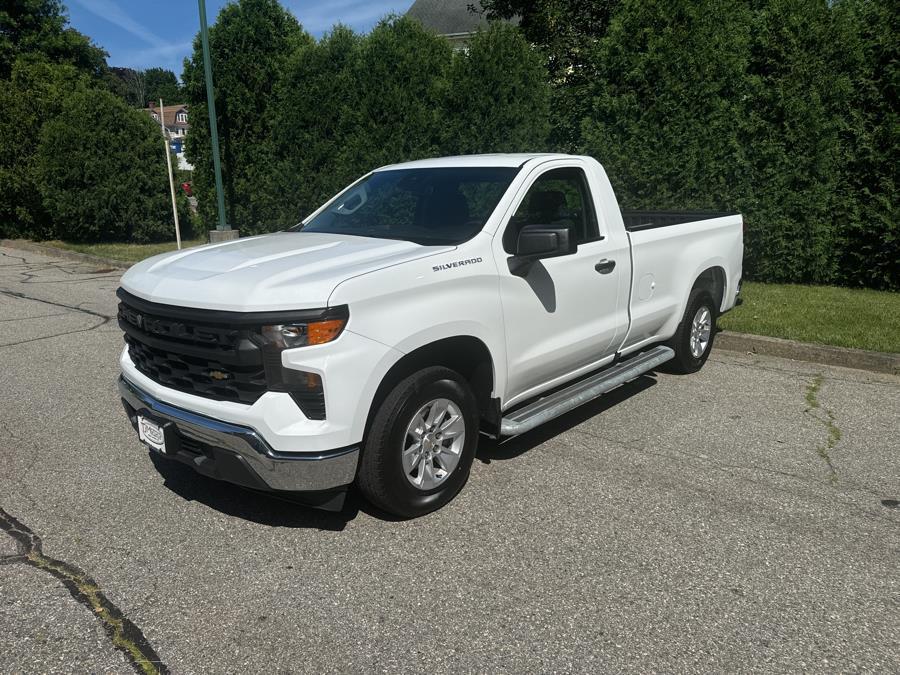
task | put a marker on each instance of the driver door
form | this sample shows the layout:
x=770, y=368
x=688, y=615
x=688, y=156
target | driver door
x=561, y=314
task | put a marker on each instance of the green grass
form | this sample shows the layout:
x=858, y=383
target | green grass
x=842, y=317
x=124, y=252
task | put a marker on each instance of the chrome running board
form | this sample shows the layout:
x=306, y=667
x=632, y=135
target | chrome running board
x=558, y=403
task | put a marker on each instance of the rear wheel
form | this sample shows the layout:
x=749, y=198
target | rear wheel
x=694, y=340
x=421, y=444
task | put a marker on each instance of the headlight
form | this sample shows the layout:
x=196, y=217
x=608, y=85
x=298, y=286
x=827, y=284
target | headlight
x=313, y=327
x=291, y=335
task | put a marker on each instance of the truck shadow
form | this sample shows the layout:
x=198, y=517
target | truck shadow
x=256, y=507
x=264, y=509
x=490, y=450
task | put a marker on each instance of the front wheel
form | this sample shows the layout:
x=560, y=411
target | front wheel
x=694, y=340
x=421, y=444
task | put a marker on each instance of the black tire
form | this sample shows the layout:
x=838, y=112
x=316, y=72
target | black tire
x=685, y=362
x=382, y=478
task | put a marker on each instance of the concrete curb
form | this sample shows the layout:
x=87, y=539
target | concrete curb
x=22, y=245
x=878, y=362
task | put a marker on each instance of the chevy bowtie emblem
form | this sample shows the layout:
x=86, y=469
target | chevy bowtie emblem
x=218, y=375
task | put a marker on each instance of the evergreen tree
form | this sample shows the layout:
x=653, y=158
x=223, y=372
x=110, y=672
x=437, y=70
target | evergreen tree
x=566, y=32
x=161, y=83
x=317, y=98
x=498, y=98
x=798, y=94
x=250, y=44
x=670, y=78
x=869, y=212
x=34, y=94
x=397, y=110
x=722, y=104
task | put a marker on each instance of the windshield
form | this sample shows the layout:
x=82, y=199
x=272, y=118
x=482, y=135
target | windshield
x=425, y=206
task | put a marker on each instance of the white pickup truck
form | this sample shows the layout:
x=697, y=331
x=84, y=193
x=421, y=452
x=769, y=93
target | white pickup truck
x=426, y=304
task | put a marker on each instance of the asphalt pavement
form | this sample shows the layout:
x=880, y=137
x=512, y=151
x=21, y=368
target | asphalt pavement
x=741, y=519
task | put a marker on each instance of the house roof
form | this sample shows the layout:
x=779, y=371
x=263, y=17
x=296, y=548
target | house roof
x=170, y=113
x=448, y=17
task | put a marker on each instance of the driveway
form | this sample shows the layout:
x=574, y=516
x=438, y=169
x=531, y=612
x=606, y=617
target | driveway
x=744, y=519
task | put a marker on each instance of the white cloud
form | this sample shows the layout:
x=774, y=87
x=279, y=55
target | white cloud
x=160, y=52
x=113, y=13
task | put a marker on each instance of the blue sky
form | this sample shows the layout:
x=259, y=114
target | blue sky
x=147, y=33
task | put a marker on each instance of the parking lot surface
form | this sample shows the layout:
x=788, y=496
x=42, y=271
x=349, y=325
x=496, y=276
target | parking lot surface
x=744, y=518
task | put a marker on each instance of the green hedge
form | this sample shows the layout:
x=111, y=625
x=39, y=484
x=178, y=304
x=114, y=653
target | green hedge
x=336, y=108
x=77, y=163
x=785, y=110
x=102, y=172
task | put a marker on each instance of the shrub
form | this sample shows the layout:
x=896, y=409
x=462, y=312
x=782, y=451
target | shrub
x=35, y=93
x=101, y=172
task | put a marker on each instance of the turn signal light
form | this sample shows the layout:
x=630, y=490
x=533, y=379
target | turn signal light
x=320, y=332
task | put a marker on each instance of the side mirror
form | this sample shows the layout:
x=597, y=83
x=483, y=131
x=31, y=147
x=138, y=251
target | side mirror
x=541, y=241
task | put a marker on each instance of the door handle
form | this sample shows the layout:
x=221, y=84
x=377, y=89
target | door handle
x=605, y=266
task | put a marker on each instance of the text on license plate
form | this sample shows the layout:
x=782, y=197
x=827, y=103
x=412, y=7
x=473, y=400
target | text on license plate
x=152, y=434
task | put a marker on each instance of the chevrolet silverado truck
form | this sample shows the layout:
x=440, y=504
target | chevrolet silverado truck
x=426, y=304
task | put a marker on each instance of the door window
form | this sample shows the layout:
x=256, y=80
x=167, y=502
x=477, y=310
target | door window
x=558, y=197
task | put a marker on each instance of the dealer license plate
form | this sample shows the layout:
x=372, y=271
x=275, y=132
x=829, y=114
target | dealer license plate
x=152, y=434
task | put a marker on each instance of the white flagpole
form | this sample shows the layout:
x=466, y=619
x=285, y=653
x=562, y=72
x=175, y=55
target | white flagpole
x=162, y=123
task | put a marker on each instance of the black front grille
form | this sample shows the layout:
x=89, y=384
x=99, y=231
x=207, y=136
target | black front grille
x=196, y=356
x=197, y=375
x=182, y=332
x=214, y=354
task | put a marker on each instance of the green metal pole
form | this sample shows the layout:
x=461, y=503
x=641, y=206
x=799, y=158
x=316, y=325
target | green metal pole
x=213, y=129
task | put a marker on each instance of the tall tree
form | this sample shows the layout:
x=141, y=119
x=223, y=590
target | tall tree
x=793, y=134
x=730, y=105
x=40, y=28
x=566, y=31
x=397, y=114
x=870, y=208
x=498, y=99
x=250, y=44
x=161, y=83
x=128, y=84
x=314, y=120
x=666, y=102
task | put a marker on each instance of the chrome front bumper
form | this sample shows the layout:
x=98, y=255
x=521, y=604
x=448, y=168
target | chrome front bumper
x=238, y=454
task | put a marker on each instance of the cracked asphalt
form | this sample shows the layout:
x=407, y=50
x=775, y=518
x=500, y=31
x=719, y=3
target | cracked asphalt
x=741, y=519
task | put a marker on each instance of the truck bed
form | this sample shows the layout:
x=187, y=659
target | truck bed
x=648, y=220
x=669, y=251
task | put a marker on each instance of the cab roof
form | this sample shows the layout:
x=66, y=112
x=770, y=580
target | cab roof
x=512, y=160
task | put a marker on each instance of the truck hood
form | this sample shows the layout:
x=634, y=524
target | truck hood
x=283, y=271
